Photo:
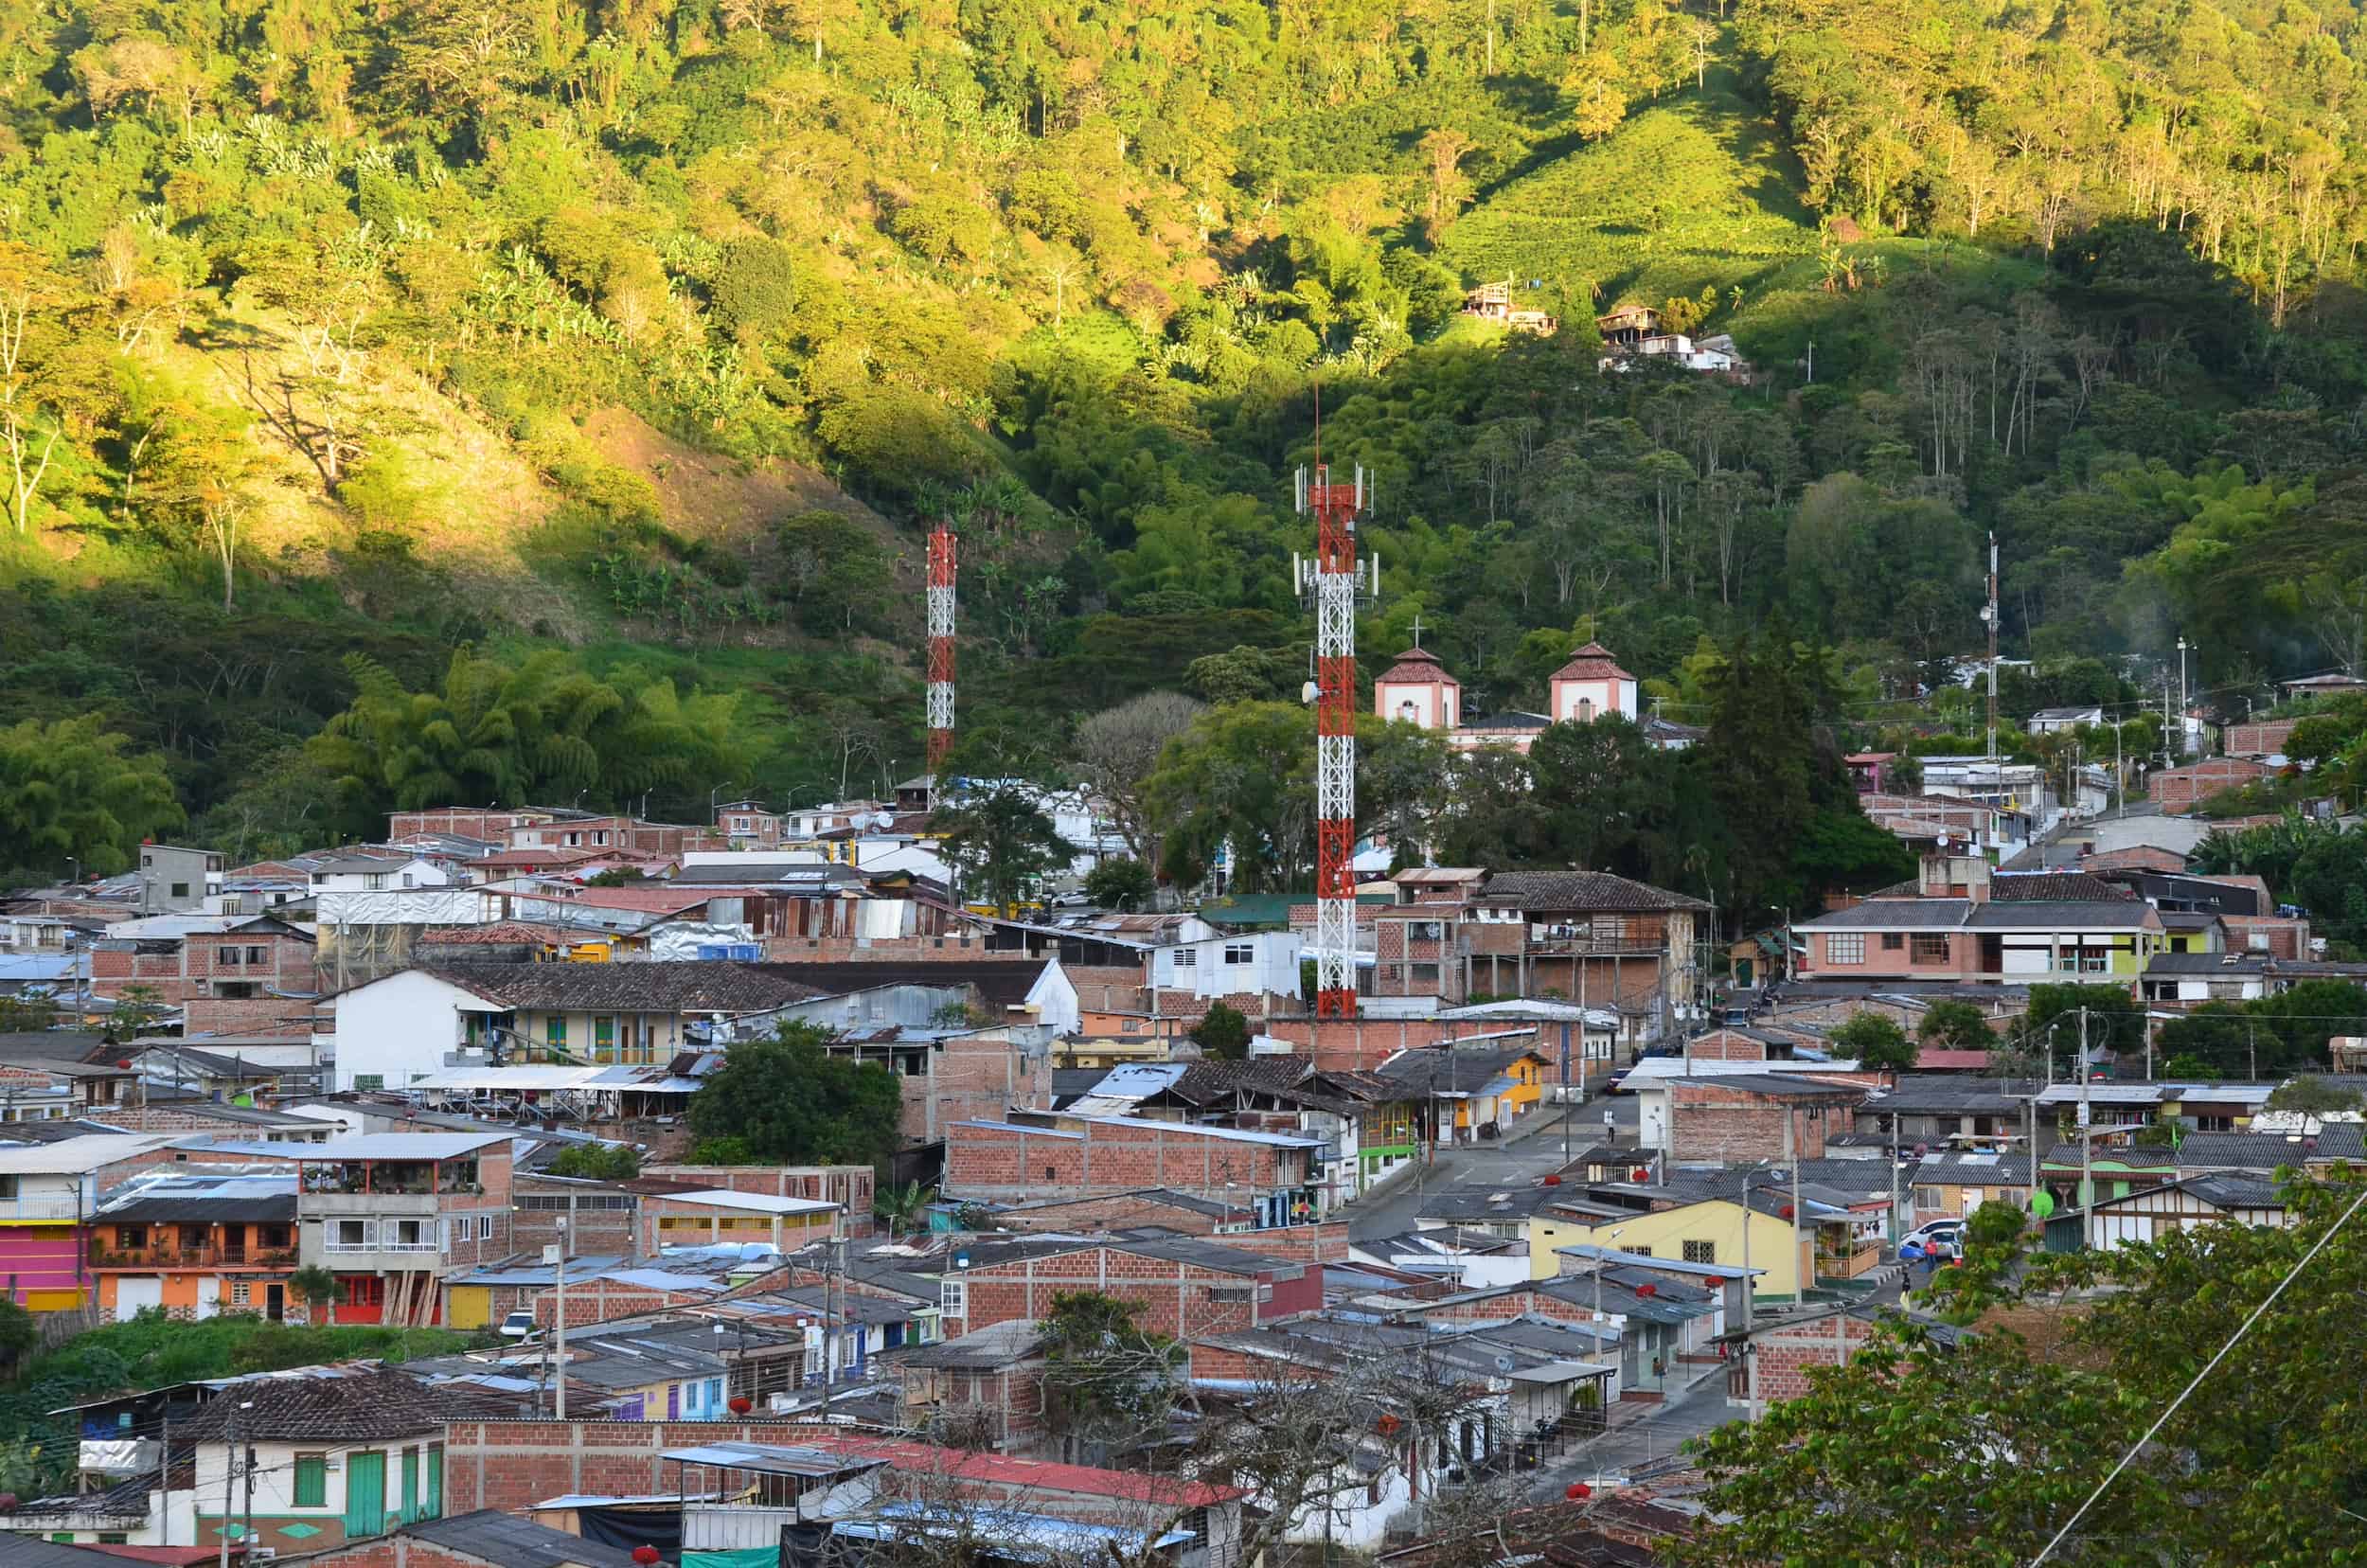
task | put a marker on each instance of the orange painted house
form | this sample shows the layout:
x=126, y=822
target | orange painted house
x=196, y=1244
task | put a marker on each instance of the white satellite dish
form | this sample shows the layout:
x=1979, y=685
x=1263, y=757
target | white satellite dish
x=1503, y=1364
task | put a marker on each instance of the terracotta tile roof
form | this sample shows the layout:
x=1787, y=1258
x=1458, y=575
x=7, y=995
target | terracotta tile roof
x=360, y=1406
x=1591, y=890
x=1417, y=664
x=1592, y=663
x=682, y=987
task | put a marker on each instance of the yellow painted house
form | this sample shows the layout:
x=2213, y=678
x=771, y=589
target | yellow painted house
x=1474, y=1085
x=1707, y=1231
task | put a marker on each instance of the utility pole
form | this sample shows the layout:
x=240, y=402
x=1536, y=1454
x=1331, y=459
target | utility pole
x=2087, y=1122
x=1750, y=1315
x=559, y=1372
x=1989, y=615
x=2029, y=1147
x=164, y=1476
x=2182, y=698
x=1894, y=1183
x=1791, y=1151
x=229, y=1470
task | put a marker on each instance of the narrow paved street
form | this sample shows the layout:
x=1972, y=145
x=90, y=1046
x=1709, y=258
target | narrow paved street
x=1534, y=1150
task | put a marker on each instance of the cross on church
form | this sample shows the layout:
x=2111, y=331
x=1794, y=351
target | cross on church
x=1417, y=628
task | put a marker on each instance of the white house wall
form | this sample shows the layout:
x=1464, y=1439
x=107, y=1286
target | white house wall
x=400, y=1029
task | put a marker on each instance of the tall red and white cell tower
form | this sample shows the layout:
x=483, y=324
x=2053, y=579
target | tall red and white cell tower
x=941, y=565
x=1334, y=581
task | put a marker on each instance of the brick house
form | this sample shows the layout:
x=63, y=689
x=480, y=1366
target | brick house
x=571, y=830
x=1958, y=922
x=1183, y=1286
x=602, y=1217
x=391, y=1214
x=485, y=824
x=1756, y=1116
x=2258, y=741
x=1591, y=938
x=2177, y=791
x=232, y=975
x=849, y=1187
x=988, y=1387
x=1272, y=1172
x=1771, y=1362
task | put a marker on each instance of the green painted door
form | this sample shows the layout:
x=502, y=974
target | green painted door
x=365, y=1494
x=410, y=1484
x=435, y=1481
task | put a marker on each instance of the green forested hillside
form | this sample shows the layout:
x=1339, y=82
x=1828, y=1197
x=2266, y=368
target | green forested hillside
x=630, y=344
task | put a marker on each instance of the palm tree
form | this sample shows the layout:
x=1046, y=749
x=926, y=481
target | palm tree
x=900, y=1208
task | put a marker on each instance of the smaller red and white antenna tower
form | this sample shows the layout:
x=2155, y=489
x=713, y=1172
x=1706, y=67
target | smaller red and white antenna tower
x=1333, y=582
x=941, y=568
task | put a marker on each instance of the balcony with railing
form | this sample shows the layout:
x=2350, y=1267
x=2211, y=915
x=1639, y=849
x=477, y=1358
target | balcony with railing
x=107, y=1251
x=42, y=1207
x=1846, y=1259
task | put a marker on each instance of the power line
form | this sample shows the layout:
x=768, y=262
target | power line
x=2048, y=1550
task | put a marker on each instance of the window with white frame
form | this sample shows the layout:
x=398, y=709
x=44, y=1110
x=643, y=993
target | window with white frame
x=953, y=1298
x=485, y=1227
x=1845, y=946
x=1240, y=952
x=1184, y=957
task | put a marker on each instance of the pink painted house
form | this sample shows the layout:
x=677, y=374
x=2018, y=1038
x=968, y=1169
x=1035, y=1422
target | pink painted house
x=1961, y=922
x=49, y=1193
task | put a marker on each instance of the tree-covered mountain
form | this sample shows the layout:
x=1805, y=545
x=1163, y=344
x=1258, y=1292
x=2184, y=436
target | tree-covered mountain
x=631, y=344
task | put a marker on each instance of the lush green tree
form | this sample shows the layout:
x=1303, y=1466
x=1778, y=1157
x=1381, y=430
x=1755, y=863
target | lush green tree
x=542, y=729
x=2313, y=1096
x=2189, y=1068
x=1110, y=1383
x=1950, y=1025
x=1875, y=1040
x=596, y=1162
x=72, y=790
x=1120, y=882
x=1803, y=1483
x=1222, y=1033
x=790, y=1100
x=2053, y=1023
x=999, y=841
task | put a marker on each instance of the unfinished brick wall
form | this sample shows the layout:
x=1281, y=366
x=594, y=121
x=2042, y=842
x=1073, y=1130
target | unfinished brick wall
x=186, y=974
x=848, y=1185
x=2180, y=790
x=2286, y=936
x=1786, y=1356
x=589, y=1229
x=1010, y=1162
x=1726, y=1045
x=1726, y=1124
x=604, y=1300
x=1183, y=1300
x=2267, y=739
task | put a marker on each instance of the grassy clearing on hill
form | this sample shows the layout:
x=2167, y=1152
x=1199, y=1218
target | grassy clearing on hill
x=1691, y=192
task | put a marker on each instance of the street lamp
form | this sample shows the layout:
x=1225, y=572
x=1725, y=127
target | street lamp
x=711, y=794
x=2182, y=697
